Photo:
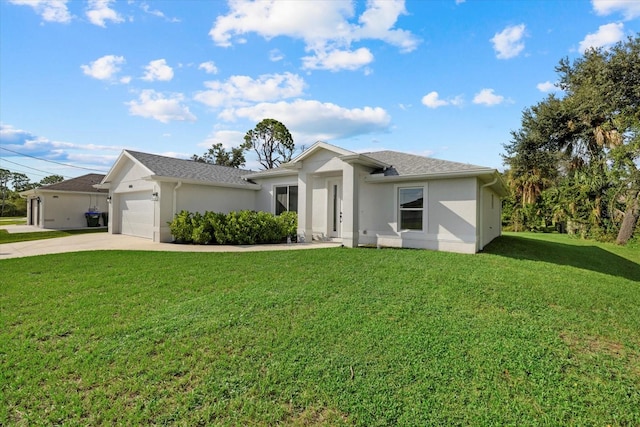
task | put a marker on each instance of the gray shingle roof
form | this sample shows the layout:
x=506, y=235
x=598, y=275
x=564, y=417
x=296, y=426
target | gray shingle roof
x=82, y=184
x=411, y=164
x=188, y=169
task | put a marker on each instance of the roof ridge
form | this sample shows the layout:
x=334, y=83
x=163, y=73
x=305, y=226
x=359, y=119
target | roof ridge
x=186, y=160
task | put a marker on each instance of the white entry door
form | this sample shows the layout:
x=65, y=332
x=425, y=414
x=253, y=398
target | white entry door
x=335, y=208
x=136, y=214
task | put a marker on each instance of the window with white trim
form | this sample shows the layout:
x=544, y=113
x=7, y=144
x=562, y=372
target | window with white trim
x=286, y=198
x=411, y=208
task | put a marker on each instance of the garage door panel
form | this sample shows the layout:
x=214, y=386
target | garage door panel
x=137, y=215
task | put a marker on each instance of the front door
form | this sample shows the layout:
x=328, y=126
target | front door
x=335, y=208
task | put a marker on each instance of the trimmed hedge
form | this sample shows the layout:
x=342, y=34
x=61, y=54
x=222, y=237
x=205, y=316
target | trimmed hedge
x=235, y=228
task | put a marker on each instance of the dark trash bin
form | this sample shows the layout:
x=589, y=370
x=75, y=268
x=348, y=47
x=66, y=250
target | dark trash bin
x=93, y=219
x=105, y=219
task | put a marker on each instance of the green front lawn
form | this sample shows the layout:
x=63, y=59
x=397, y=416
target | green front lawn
x=538, y=330
x=13, y=220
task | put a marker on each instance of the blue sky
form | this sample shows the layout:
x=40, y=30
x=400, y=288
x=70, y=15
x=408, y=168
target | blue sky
x=80, y=81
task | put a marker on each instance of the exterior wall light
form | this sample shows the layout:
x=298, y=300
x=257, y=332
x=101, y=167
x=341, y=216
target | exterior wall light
x=154, y=196
x=108, y=199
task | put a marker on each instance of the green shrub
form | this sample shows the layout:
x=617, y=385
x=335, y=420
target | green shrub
x=201, y=234
x=235, y=228
x=182, y=227
x=215, y=221
x=288, y=223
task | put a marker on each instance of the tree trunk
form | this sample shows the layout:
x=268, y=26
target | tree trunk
x=629, y=221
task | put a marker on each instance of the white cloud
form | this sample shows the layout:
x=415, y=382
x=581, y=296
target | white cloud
x=275, y=55
x=24, y=141
x=209, y=67
x=326, y=26
x=99, y=12
x=432, y=100
x=312, y=21
x=155, y=12
x=49, y=10
x=125, y=80
x=378, y=21
x=310, y=120
x=338, y=60
x=104, y=68
x=158, y=70
x=607, y=35
x=488, y=97
x=630, y=9
x=155, y=105
x=228, y=138
x=508, y=43
x=242, y=89
x=547, y=87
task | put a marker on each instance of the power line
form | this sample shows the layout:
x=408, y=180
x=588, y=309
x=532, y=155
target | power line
x=50, y=161
x=29, y=167
x=30, y=173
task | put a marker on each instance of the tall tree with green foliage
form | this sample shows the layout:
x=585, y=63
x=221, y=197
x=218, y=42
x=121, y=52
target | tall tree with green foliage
x=218, y=155
x=5, y=178
x=584, y=147
x=21, y=182
x=51, y=179
x=272, y=142
x=10, y=201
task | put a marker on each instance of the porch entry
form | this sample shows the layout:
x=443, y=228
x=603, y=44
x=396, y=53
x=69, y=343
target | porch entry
x=34, y=212
x=335, y=208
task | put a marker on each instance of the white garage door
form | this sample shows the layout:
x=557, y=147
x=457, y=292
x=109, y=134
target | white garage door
x=136, y=214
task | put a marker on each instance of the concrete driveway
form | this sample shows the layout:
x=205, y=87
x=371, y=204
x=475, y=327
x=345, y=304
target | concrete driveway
x=105, y=241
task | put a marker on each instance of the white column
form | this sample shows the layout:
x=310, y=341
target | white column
x=350, y=209
x=305, y=206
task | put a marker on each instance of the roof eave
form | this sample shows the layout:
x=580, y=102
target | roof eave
x=159, y=178
x=380, y=178
x=364, y=160
x=272, y=173
x=36, y=191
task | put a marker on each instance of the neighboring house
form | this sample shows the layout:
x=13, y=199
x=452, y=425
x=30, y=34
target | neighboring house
x=383, y=198
x=63, y=205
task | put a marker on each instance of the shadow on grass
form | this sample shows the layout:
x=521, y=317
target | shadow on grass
x=587, y=257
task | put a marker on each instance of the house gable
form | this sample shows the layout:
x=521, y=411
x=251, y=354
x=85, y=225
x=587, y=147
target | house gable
x=128, y=174
x=319, y=146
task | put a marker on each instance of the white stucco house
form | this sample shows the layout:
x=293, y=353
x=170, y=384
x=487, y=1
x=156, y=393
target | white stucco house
x=63, y=205
x=384, y=198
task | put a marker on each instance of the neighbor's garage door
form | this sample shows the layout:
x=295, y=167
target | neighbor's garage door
x=137, y=214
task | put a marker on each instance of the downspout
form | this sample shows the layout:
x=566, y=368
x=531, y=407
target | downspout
x=175, y=198
x=482, y=187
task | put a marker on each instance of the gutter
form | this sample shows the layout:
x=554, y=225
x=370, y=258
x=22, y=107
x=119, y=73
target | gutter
x=372, y=179
x=247, y=186
x=363, y=159
x=272, y=173
x=482, y=187
x=175, y=198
